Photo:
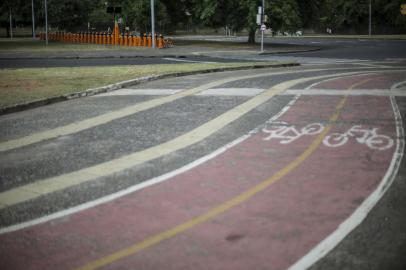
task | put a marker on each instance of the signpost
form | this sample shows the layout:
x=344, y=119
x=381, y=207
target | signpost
x=261, y=22
x=370, y=18
x=153, y=23
x=46, y=23
x=11, y=25
x=33, y=19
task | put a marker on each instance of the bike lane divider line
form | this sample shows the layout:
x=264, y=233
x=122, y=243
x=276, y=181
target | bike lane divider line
x=221, y=209
x=139, y=218
x=127, y=111
x=46, y=186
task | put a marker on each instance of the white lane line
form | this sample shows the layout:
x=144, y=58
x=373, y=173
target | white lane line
x=147, y=183
x=398, y=85
x=188, y=61
x=312, y=86
x=57, y=183
x=354, y=92
x=371, y=64
x=162, y=92
x=139, y=92
x=362, y=211
x=249, y=92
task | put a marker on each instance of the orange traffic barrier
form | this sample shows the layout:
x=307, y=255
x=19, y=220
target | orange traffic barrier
x=139, y=40
x=130, y=40
x=160, y=42
x=149, y=40
x=125, y=37
x=135, y=41
x=100, y=38
x=144, y=40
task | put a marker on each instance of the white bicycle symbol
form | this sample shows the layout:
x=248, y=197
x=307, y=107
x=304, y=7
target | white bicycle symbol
x=368, y=137
x=289, y=133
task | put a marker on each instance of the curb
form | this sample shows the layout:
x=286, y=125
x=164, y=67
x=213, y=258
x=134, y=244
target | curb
x=123, y=84
x=93, y=57
x=294, y=51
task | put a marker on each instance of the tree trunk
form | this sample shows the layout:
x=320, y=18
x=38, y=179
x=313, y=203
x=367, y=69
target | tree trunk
x=251, y=35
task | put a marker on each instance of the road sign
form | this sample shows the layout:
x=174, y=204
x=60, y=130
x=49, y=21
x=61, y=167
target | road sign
x=403, y=9
x=263, y=27
x=259, y=19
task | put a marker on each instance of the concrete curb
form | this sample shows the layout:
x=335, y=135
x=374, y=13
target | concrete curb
x=94, y=57
x=294, y=51
x=123, y=84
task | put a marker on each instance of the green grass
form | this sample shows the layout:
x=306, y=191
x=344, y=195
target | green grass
x=24, y=85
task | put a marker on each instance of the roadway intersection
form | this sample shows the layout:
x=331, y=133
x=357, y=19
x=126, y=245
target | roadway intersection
x=283, y=168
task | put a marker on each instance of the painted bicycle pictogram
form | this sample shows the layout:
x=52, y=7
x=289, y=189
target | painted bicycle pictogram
x=289, y=133
x=369, y=137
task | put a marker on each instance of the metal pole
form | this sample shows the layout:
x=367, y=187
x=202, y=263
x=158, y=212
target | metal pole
x=370, y=18
x=262, y=22
x=46, y=23
x=11, y=25
x=33, y=19
x=153, y=23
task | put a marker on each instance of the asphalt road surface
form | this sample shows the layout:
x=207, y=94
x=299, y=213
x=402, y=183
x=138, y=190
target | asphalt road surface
x=362, y=49
x=333, y=50
x=288, y=168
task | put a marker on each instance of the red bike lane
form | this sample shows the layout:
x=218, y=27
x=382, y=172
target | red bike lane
x=270, y=229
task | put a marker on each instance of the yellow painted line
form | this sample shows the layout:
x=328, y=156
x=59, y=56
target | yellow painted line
x=57, y=183
x=225, y=206
x=108, y=117
x=124, y=112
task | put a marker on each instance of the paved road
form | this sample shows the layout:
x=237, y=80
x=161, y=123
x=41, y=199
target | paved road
x=260, y=169
x=333, y=50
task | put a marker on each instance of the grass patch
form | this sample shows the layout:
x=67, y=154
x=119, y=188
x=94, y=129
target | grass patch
x=24, y=85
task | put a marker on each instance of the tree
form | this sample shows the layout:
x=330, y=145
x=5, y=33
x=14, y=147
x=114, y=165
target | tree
x=285, y=15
